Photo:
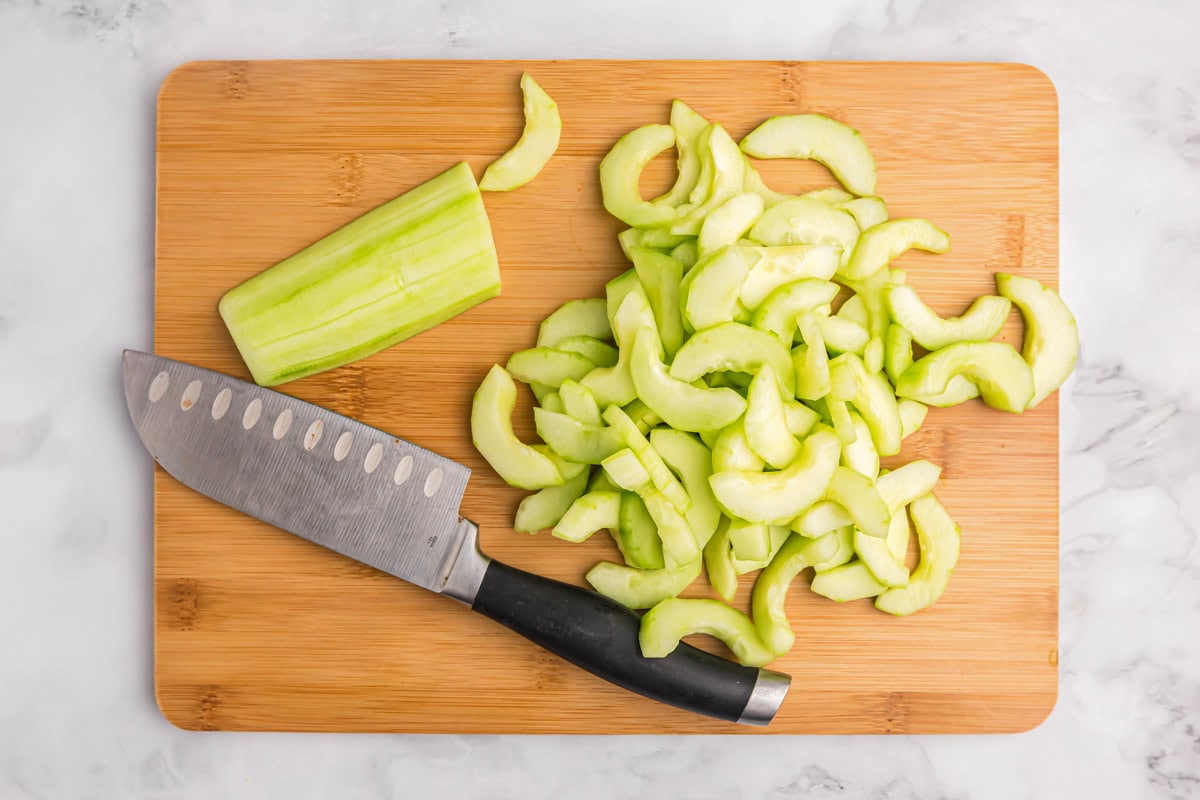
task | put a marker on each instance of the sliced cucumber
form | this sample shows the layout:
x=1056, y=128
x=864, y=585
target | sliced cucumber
x=586, y=317
x=912, y=415
x=688, y=126
x=749, y=541
x=802, y=220
x=727, y=172
x=678, y=540
x=938, y=537
x=660, y=276
x=614, y=385
x=1005, y=381
x=547, y=366
x=718, y=562
x=811, y=360
x=861, y=455
x=851, y=581
x=815, y=136
x=842, y=335
x=867, y=211
x=858, y=495
x=576, y=441
x=681, y=405
x=897, y=352
x=602, y=354
x=579, y=403
x=592, y=512
x=876, y=402
x=854, y=310
x=769, y=599
x=712, y=289
x=692, y=462
x=765, y=423
x=877, y=554
x=904, y=484
x=822, y=517
x=732, y=451
x=1051, y=335
x=546, y=507
x=780, y=266
x=626, y=471
x=687, y=253
x=637, y=535
x=672, y=619
x=491, y=431
x=979, y=323
x=777, y=497
x=799, y=417
x=641, y=588
x=830, y=195
x=776, y=536
x=538, y=141
x=883, y=243
x=621, y=169
x=733, y=347
x=726, y=224
x=841, y=542
x=660, y=475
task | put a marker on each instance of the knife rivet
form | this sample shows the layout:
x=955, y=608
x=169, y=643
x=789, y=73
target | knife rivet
x=282, y=423
x=190, y=395
x=158, y=386
x=433, y=482
x=221, y=403
x=374, y=456
x=313, y=435
x=342, y=448
x=253, y=412
x=403, y=470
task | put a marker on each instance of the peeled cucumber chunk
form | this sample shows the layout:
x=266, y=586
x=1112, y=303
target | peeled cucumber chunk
x=882, y=243
x=749, y=541
x=625, y=470
x=842, y=542
x=733, y=347
x=1005, y=381
x=660, y=276
x=592, y=512
x=776, y=536
x=576, y=441
x=712, y=289
x=979, y=323
x=538, y=141
x=887, y=566
x=641, y=588
x=938, y=537
x=1051, y=335
x=815, y=136
x=398, y=270
x=857, y=494
x=912, y=415
x=904, y=484
x=601, y=354
x=802, y=220
x=637, y=535
x=688, y=126
x=867, y=211
x=842, y=336
x=769, y=598
x=781, y=266
x=726, y=224
x=579, y=403
x=821, y=518
x=664, y=625
x=726, y=177
x=766, y=424
x=621, y=169
x=732, y=450
x=660, y=475
x=851, y=581
x=718, y=562
x=491, y=430
x=777, y=497
x=692, y=462
x=547, y=366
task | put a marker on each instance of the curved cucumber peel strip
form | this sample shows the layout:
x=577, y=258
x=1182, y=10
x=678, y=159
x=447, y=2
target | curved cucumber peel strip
x=583, y=317
x=733, y=347
x=802, y=220
x=491, y=431
x=979, y=323
x=641, y=588
x=938, y=537
x=1005, y=381
x=766, y=424
x=1051, y=335
x=545, y=508
x=882, y=243
x=621, y=169
x=681, y=405
x=592, y=512
x=692, y=461
x=769, y=598
x=538, y=141
x=664, y=625
x=777, y=497
x=815, y=136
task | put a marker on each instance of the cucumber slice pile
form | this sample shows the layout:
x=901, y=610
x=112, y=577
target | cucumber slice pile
x=720, y=408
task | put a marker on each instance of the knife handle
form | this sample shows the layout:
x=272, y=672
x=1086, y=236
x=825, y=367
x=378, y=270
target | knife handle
x=601, y=636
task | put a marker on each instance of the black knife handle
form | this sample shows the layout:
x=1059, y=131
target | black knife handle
x=601, y=636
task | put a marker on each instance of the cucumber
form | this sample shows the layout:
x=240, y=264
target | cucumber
x=883, y=243
x=692, y=462
x=765, y=423
x=1004, y=379
x=688, y=125
x=621, y=169
x=1051, y=336
x=726, y=224
x=686, y=253
x=815, y=136
x=877, y=554
x=718, y=562
x=861, y=455
x=821, y=518
x=810, y=360
x=660, y=475
x=851, y=581
x=897, y=351
x=592, y=512
x=979, y=323
x=547, y=366
x=545, y=508
x=664, y=625
x=576, y=441
x=938, y=537
x=726, y=176
x=857, y=494
x=854, y=310
x=731, y=451
x=749, y=541
x=587, y=317
x=579, y=403
x=904, y=484
x=776, y=536
x=491, y=430
x=777, y=497
x=641, y=588
x=660, y=276
x=614, y=385
x=842, y=335
x=637, y=535
x=768, y=600
x=538, y=141
x=912, y=415
x=601, y=354
x=867, y=211
x=711, y=291
x=733, y=347
x=626, y=471
x=681, y=405
x=678, y=540
x=410, y=264
x=842, y=543
x=876, y=402
x=779, y=267
x=803, y=220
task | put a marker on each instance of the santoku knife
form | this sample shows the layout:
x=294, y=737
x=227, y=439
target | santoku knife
x=394, y=506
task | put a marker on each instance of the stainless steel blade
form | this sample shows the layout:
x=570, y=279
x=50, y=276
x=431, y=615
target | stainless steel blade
x=325, y=477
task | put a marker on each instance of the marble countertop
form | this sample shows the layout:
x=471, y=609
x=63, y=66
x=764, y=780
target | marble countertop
x=77, y=716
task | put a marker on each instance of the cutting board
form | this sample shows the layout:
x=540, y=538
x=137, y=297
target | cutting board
x=259, y=630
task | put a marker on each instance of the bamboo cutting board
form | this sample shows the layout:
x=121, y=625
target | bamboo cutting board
x=258, y=630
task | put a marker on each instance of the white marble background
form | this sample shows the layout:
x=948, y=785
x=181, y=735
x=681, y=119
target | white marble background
x=77, y=718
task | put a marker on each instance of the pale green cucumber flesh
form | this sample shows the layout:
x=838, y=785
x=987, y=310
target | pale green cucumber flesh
x=537, y=144
x=882, y=243
x=545, y=508
x=1051, y=336
x=592, y=512
x=766, y=423
x=664, y=625
x=622, y=167
x=733, y=347
x=777, y=497
x=814, y=136
x=491, y=430
x=582, y=317
x=938, y=537
x=1004, y=379
x=851, y=581
x=641, y=588
x=979, y=323
x=637, y=535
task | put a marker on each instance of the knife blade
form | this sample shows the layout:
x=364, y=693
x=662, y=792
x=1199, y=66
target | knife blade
x=392, y=505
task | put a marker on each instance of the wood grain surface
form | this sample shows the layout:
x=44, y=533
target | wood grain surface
x=258, y=630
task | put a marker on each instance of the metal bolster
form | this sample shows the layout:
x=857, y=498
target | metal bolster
x=465, y=574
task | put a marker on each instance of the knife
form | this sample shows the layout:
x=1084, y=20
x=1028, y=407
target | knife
x=394, y=506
